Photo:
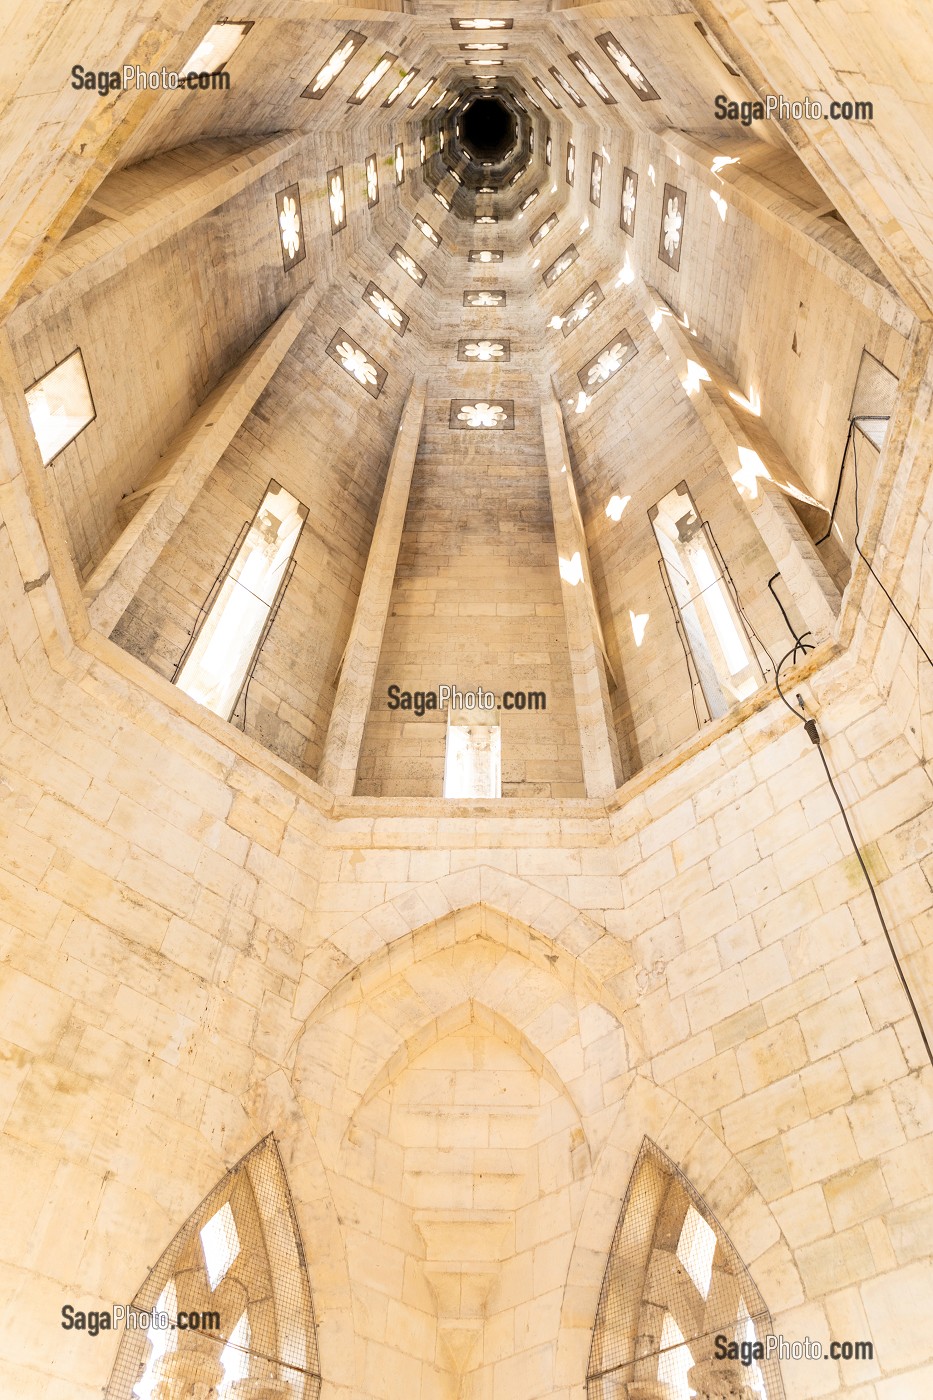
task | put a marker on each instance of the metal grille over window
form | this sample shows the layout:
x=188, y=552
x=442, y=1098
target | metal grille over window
x=706, y=605
x=238, y=613
x=674, y=1284
x=872, y=406
x=226, y=1312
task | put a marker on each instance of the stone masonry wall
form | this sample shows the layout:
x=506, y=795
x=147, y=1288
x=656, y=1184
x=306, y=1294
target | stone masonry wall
x=698, y=962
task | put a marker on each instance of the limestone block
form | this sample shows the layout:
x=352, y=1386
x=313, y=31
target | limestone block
x=896, y=1307
x=838, y=1021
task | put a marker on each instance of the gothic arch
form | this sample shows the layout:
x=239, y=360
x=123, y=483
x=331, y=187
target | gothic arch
x=545, y=925
x=674, y=1284
x=481, y=971
x=229, y=1299
x=353, y=1033
x=713, y=1173
x=270, y=1105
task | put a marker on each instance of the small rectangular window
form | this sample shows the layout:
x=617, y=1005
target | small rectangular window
x=473, y=762
x=724, y=659
x=223, y=651
x=60, y=406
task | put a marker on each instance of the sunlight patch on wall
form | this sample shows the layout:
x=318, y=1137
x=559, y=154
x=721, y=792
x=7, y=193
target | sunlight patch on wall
x=571, y=570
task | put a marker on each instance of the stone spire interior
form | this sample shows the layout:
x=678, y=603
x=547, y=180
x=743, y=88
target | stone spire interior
x=466, y=701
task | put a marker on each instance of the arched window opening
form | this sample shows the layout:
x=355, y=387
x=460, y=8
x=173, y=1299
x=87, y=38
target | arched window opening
x=673, y=1285
x=227, y=1310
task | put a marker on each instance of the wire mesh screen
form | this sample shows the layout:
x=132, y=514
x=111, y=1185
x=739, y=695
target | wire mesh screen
x=675, y=1293
x=875, y=389
x=227, y=1310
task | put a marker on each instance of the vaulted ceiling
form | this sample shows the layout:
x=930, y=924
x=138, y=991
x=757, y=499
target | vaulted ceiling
x=760, y=257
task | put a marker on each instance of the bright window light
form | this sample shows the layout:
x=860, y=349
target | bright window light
x=425, y=88
x=221, y=1244
x=548, y=94
x=745, y=1332
x=639, y=622
x=215, y=668
x=217, y=47
x=594, y=80
x=571, y=570
x=235, y=1357
x=481, y=23
x=400, y=165
x=400, y=86
x=569, y=89
x=725, y=665
x=473, y=762
x=60, y=406
x=350, y=44
x=695, y=1249
x=675, y=1361
x=734, y=649
x=161, y=1340
x=337, y=199
x=372, y=78
x=543, y=230
x=430, y=233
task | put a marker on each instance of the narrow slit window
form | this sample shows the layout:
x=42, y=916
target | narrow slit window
x=746, y=1333
x=215, y=668
x=60, y=406
x=221, y=1244
x=161, y=1340
x=235, y=1358
x=727, y=669
x=695, y=1249
x=675, y=1361
x=473, y=761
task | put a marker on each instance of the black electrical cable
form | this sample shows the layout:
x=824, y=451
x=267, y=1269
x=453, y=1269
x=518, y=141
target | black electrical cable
x=801, y=643
x=813, y=734
x=867, y=562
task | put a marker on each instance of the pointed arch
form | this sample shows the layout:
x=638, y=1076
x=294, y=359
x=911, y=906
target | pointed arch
x=674, y=1284
x=540, y=923
x=374, y=1018
x=229, y=1298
